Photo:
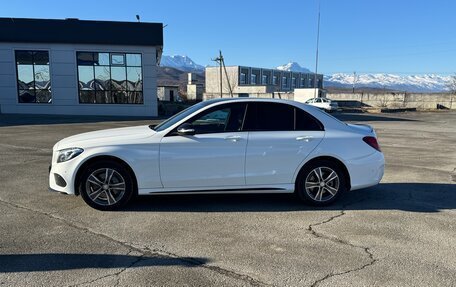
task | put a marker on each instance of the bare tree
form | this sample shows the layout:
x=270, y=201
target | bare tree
x=452, y=88
x=452, y=84
x=183, y=93
x=231, y=77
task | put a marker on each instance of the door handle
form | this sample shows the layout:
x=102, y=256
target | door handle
x=304, y=138
x=233, y=138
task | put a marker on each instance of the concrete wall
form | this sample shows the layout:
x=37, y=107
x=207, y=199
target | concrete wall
x=213, y=79
x=164, y=93
x=64, y=81
x=302, y=95
x=195, y=92
x=395, y=100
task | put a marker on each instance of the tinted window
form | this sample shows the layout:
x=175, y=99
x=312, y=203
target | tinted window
x=223, y=118
x=269, y=117
x=306, y=122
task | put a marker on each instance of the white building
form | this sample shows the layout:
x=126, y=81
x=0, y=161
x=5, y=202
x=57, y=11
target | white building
x=78, y=67
x=168, y=93
x=195, y=90
x=241, y=81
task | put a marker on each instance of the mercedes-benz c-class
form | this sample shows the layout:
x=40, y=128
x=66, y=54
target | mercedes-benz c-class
x=241, y=145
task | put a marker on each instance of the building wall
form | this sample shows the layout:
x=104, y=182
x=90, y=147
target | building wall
x=258, y=89
x=212, y=75
x=64, y=81
x=302, y=95
x=394, y=100
x=195, y=92
x=164, y=93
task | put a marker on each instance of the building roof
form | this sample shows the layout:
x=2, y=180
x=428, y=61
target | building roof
x=74, y=31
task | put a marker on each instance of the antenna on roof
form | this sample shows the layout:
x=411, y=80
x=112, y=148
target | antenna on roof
x=138, y=18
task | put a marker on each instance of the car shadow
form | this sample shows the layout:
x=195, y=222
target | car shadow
x=63, y=261
x=415, y=197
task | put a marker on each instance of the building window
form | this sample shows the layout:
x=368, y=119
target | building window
x=242, y=79
x=33, y=76
x=110, y=78
x=274, y=80
x=284, y=82
x=293, y=82
x=264, y=80
x=303, y=82
x=253, y=79
x=310, y=83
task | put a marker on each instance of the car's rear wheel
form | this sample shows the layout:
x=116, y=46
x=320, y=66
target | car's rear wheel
x=106, y=185
x=321, y=183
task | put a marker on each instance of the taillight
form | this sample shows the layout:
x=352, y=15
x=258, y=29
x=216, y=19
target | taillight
x=372, y=141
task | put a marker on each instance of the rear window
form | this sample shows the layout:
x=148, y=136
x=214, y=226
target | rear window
x=306, y=122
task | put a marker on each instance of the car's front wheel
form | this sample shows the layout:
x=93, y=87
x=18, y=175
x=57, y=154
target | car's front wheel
x=106, y=185
x=320, y=183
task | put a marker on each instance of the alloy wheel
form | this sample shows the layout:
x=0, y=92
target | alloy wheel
x=105, y=186
x=322, y=184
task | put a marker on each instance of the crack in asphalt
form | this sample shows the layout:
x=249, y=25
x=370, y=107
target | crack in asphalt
x=139, y=258
x=372, y=259
x=143, y=250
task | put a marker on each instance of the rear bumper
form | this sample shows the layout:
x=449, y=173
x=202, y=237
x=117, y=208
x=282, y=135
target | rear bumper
x=366, y=171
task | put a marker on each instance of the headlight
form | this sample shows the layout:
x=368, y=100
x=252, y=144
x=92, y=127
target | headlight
x=68, y=153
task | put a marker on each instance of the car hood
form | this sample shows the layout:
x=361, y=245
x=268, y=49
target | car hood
x=105, y=137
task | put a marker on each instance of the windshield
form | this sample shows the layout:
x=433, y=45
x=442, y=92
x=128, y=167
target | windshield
x=179, y=116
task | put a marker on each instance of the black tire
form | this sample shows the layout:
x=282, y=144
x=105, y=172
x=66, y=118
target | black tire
x=119, y=173
x=308, y=173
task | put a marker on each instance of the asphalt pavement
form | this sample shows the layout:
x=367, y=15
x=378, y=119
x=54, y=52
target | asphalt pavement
x=399, y=233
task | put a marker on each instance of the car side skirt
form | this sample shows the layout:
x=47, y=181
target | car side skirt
x=284, y=188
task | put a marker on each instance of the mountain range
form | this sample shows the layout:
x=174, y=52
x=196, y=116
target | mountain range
x=182, y=63
x=427, y=83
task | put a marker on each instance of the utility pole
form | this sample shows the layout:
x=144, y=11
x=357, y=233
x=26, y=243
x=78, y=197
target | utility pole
x=221, y=79
x=221, y=61
x=354, y=81
x=316, y=56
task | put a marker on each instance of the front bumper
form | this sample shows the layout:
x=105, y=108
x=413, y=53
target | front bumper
x=62, y=175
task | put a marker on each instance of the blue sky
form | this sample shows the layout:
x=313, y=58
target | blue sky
x=403, y=37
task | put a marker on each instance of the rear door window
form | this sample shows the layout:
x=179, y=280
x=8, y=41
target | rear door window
x=263, y=116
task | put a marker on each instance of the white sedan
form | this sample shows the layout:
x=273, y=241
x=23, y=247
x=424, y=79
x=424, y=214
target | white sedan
x=323, y=103
x=221, y=146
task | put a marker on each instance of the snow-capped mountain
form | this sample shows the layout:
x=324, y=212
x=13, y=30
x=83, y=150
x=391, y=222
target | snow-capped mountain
x=183, y=63
x=293, y=67
x=411, y=83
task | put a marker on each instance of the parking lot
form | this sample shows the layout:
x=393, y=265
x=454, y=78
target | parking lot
x=399, y=233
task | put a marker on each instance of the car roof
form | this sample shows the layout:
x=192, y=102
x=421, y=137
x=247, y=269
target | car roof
x=271, y=100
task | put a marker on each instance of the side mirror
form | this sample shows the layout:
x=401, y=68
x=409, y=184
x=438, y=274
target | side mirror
x=186, y=129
